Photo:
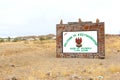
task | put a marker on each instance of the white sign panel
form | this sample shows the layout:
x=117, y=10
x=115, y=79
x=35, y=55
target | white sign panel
x=80, y=42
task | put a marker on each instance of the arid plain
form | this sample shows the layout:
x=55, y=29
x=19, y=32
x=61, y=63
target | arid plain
x=36, y=60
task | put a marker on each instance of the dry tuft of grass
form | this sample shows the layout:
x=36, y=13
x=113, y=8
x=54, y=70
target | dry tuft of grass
x=114, y=68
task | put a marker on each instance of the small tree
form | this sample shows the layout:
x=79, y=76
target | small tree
x=8, y=39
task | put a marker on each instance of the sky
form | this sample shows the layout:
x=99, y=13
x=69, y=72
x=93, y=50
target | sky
x=39, y=17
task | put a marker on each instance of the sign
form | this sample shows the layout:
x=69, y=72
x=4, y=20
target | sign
x=80, y=42
x=82, y=39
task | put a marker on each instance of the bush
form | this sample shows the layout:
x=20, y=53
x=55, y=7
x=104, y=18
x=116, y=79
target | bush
x=1, y=40
x=16, y=39
x=47, y=38
x=42, y=38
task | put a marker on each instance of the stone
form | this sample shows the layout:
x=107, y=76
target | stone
x=97, y=20
x=100, y=77
x=61, y=22
x=90, y=79
x=118, y=50
x=79, y=20
x=14, y=78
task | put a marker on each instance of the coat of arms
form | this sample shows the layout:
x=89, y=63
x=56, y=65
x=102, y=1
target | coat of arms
x=78, y=42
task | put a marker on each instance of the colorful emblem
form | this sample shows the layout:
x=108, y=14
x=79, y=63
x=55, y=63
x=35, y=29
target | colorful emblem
x=78, y=42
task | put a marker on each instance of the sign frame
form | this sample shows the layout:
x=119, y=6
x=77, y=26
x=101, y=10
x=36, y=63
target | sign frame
x=76, y=27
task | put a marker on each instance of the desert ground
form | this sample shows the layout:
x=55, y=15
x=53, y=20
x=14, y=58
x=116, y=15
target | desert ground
x=36, y=60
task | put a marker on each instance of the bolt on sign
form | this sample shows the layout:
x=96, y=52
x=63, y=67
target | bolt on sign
x=80, y=39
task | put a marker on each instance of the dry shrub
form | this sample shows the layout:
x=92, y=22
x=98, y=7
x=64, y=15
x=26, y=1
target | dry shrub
x=108, y=51
x=114, y=68
x=26, y=42
x=37, y=42
x=44, y=44
x=31, y=78
x=99, y=71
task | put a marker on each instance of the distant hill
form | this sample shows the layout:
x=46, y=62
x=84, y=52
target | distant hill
x=112, y=34
x=48, y=36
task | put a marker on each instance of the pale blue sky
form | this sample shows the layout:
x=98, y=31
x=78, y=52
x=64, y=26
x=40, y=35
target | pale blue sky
x=38, y=17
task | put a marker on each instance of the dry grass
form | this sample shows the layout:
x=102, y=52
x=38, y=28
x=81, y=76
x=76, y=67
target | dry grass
x=36, y=60
x=114, y=68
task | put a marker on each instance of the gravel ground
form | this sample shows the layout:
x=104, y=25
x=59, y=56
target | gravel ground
x=37, y=61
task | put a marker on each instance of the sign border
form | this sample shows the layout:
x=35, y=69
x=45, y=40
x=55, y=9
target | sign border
x=81, y=26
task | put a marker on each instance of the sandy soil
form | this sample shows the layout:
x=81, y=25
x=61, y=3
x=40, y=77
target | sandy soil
x=35, y=60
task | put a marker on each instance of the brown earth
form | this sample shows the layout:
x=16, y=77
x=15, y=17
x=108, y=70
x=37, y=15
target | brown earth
x=36, y=60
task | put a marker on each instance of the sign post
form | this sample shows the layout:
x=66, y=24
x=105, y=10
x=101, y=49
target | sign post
x=80, y=39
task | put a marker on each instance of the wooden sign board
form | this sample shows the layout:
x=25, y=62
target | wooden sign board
x=80, y=40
